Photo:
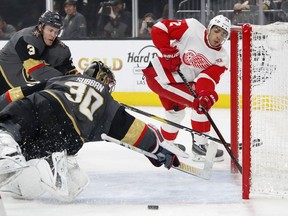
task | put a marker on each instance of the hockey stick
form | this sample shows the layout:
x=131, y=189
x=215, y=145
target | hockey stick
x=255, y=143
x=213, y=124
x=171, y=123
x=204, y=173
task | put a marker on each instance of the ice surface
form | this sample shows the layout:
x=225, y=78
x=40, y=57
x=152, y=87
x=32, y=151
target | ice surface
x=124, y=183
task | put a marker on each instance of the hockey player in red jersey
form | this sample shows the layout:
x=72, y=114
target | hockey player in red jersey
x=188, y=46
x=34, y=54
x=49, y=122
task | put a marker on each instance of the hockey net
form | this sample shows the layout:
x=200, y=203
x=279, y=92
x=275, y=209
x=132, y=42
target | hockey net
x=259, y=107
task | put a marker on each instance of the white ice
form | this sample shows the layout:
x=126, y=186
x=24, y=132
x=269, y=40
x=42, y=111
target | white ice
x=124, y=183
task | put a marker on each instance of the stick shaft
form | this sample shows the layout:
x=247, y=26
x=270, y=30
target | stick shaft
x=182, y=127
x=213, y=124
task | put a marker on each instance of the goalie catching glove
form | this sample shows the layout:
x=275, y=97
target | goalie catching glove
x=164, y=156
x=171, y=58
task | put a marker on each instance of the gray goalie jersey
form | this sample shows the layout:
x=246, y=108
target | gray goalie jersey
x=84, y=102
x=61, y=113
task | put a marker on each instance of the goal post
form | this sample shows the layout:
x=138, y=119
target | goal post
x=259, y=107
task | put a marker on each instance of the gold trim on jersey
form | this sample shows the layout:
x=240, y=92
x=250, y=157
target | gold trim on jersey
x=5, y=77
x=134, y=132
x=31, y=63
x=69, y=116
x=29, y=80
x=16, y=94
x=73, y=71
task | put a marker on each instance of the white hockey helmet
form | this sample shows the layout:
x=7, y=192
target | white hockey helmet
x=221, y=21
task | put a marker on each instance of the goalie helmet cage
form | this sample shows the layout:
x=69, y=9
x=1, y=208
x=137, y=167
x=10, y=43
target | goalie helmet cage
x=259, y=107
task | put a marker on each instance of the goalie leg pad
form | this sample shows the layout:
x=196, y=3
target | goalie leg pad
x=65, y=180
x=8, y=177
x=8, y=146
x=11, y=158
x=53, y=172
x=78, y=180
x=12, y=163
x=27, y=185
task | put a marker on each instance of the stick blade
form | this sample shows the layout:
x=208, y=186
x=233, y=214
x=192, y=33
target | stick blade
x=174, y=149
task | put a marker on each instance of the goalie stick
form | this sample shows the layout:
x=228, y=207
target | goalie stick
x=185, y=167
x=255, y=142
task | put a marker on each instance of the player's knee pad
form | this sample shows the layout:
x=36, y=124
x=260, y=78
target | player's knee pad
x=174, y=116
x=195, y=116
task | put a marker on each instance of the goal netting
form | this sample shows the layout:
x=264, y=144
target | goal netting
x=259, y=106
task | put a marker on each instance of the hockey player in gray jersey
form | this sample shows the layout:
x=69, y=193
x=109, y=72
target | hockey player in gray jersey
x=34, y=54
x=58, y=116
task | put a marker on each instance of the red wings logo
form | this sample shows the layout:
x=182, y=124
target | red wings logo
x=196, y=60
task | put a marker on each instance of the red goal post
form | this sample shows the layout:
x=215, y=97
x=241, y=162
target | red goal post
x=259, y=107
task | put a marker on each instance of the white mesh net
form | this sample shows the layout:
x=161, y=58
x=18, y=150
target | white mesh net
x=269, y=109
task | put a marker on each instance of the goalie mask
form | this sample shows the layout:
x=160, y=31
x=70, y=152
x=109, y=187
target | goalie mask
x=102, y=73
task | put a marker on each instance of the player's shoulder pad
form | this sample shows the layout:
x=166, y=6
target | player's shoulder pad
x=223, y=58
x=194, y=23
x=33, y=37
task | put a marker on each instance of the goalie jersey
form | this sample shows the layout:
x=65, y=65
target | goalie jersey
x=60, y=114
x=85, y=102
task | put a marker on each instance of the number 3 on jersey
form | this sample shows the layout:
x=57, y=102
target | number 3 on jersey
x=88, y=101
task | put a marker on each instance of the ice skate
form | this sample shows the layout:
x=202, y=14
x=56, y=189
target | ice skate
x=199, y=153
x=180, y=146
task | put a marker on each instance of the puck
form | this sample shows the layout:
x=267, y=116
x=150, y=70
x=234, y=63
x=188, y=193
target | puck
x=153, y=207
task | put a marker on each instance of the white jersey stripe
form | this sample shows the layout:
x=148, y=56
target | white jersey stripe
x=160, y=25
x=176, y=91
